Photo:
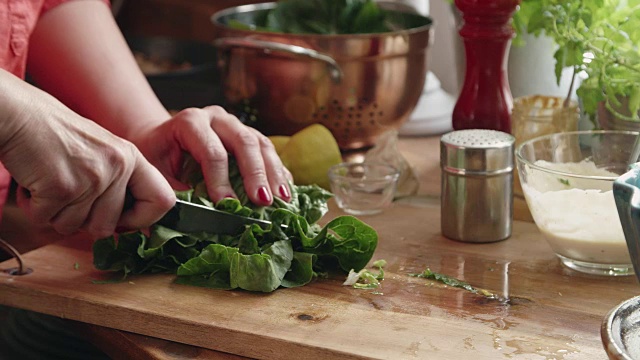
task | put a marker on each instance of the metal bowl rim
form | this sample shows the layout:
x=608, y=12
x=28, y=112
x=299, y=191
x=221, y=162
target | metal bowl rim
x=612, y=346
x=215, y=19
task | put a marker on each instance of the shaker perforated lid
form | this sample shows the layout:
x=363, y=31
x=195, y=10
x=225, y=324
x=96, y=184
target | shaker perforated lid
x=477, y=152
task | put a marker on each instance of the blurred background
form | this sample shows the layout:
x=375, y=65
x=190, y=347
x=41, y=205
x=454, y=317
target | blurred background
x=530, y=67
x=191, y=19
x=143, y=21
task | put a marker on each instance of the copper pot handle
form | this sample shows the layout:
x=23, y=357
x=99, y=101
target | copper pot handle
x=268, y=46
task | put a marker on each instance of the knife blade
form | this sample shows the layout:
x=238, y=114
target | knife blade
x=194, y=218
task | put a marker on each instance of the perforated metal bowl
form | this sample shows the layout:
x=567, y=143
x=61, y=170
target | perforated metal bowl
x=358, y=86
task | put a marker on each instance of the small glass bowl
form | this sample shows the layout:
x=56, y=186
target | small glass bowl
x=363, y=188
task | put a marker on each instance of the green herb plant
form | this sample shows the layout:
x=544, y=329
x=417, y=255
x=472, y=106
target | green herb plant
x=254, y=259
x=599, y=37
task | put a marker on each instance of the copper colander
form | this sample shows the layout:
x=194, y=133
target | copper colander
x=359, y=86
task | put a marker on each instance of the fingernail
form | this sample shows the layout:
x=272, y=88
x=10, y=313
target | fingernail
x=231, y=196
x=263, y=195
x=284, y=192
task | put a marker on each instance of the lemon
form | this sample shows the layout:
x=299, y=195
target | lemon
x=309, y=154
x=279, y=141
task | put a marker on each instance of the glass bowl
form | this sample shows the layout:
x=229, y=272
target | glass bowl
x=363, y=188
x=567, y=179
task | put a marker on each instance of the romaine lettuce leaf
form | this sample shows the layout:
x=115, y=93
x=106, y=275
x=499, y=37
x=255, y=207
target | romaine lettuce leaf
x=292, y=252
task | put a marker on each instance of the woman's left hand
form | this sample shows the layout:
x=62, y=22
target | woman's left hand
x=209, y=135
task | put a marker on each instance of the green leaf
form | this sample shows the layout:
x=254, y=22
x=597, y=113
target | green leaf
x=370, y=19
x=248, y=243
x=159, y=237
x=606, y=30
x=323, y=17
x=301, y=272
x=262, y=272
x=112, y=255
x=210, y=269
x=532, y=17
x=102, y=254
x=354, y=242
x=634, y=100
x=286, y=254
x=560, y=56
x=453, y=282
x=445, y=279
x=185, y=195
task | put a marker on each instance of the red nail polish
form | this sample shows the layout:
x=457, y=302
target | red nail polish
x=263, y=195
x=284, y=192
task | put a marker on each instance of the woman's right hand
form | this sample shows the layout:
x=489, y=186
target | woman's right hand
x=73, y=173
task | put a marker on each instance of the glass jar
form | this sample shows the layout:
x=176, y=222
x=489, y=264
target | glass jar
x=537, y=115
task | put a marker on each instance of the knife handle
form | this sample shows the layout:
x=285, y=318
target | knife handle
x=129, y=200
x=170, y=219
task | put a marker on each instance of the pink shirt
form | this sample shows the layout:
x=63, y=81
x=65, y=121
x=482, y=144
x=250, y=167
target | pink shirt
x=18, y=18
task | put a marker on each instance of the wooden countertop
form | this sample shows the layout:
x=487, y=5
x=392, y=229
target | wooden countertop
x=553, y=312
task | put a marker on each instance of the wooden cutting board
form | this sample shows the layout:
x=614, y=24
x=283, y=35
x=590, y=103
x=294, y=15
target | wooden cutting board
x=554, y=312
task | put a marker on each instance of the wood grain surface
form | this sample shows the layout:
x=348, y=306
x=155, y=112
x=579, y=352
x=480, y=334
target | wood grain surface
x=553, y=312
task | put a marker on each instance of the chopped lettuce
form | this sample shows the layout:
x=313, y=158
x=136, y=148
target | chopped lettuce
x=255, y=259
x=366, y=279
x=453, y=282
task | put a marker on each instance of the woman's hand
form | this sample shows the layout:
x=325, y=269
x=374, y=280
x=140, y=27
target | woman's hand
x=209, y=134
x=79, y=40
x=73, y=173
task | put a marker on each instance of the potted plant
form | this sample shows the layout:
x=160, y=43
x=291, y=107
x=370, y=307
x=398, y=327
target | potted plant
x=598, y=39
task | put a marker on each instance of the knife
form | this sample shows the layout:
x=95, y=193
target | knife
x=188, y=217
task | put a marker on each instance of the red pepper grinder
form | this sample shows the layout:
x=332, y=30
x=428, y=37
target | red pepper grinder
x=485, y=100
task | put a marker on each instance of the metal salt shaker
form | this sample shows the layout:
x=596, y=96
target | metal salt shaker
x=477, y=185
